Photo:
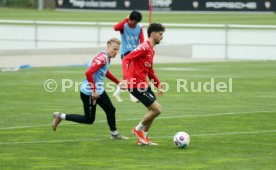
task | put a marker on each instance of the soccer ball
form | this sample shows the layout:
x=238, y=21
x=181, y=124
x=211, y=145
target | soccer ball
x=181, y=139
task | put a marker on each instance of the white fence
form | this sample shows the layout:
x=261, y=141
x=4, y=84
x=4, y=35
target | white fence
x=207, y=41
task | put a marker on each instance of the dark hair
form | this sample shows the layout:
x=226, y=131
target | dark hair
x=155, y=27
x=135, y=15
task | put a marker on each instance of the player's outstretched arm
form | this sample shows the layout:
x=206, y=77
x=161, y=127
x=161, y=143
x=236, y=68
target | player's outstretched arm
x=141, y=36
x=111, y=77
x=120, y=25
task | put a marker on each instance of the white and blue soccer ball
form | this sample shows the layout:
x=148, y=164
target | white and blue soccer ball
x=181, y=139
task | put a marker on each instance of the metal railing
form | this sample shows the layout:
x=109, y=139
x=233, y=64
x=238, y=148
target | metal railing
x=101, y=32
x=36, y=25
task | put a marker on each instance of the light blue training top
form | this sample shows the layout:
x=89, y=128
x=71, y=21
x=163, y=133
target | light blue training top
x=130, y=38
x=98, y=76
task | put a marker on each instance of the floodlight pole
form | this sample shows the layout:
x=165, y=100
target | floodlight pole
x=150, y=10
x=35, y=34
x=226, y=44
x=40, y=5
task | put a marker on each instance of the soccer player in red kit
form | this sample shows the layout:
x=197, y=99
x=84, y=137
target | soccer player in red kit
x=137, y=66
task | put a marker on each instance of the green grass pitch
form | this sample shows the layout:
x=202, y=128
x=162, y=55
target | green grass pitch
x=97, y=16
x=228, y=130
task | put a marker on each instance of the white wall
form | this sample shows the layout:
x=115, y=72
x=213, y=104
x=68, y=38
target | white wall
x=244, y=43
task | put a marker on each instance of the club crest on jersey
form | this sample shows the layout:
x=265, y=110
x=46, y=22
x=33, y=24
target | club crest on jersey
x=147, y=64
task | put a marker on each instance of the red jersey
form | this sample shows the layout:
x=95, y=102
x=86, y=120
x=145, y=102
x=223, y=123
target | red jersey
x=138, y=65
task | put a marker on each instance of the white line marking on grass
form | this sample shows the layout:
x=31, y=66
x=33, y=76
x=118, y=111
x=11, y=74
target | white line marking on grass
x=216, y=114
x=177, y=69
x=51, y=141
x=236, y=133
x=226, y=133
x=134, y=119
x=26, y=127
x=87, y=140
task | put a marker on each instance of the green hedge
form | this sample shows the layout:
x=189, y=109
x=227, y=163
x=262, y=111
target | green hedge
x=27, y=3
x=19, y=3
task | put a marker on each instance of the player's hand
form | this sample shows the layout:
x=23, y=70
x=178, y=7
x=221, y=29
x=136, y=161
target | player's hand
x=160, y=92
x=123, y=84
x=95, y=96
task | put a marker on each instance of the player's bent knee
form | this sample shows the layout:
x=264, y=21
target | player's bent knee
x=157, y=110
x=90, y=120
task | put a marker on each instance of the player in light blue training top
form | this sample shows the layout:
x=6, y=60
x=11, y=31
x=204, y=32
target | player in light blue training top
x=93, y=93
x=131, y=35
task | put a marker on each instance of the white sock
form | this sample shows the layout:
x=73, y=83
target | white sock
x=146, y=134
x=139, y=127
x=63, y=116
x=115, y=132
x=118, y=90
